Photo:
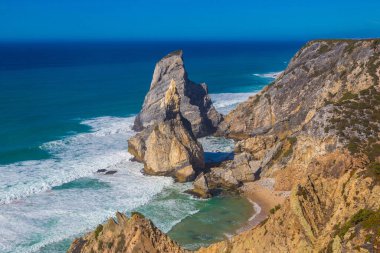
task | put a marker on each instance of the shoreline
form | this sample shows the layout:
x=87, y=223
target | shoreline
x=263, y=198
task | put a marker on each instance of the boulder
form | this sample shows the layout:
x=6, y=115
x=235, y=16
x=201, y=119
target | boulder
x=244, y=168
x=195, y=104
x=200, y=187
x=229, y=176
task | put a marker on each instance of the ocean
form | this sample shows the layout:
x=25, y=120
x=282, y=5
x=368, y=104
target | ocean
x=66, y=111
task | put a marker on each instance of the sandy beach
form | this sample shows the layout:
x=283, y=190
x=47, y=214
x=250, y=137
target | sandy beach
x=263, y=197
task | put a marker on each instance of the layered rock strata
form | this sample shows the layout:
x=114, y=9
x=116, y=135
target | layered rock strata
x=196, y=106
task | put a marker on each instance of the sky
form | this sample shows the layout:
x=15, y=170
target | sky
x=188, y=19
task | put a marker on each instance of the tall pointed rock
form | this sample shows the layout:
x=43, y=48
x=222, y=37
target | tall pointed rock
x=168, y=147
x=195, y=104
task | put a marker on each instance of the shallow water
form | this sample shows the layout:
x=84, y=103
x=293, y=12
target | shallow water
x=216, y=219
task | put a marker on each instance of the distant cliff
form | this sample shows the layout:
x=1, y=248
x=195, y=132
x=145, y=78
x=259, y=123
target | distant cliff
x=316, y=131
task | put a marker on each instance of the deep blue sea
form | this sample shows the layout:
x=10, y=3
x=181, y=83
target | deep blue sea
x=66, y=110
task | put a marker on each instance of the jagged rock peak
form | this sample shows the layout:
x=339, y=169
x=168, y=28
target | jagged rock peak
x=195, y=104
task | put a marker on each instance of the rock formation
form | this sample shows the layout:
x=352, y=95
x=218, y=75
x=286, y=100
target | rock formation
x=169, y=148
x=316, y=130
x=228, y=176
x=195, y=106
x=125, y=235
x=318, y=105
x=334, y=209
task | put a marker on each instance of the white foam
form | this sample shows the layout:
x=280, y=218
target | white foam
x=33, y=216
x=271, y=75
x=226, y=102
x=257, y=209
x=74, y=157
x=171, y=206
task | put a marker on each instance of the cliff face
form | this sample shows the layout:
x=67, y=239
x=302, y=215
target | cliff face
x=321, y=71
x=326, y=99
x=196, y=105
x=316, y=131
x=324, y=213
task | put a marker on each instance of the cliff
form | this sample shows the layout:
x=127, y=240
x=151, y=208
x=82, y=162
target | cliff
x=196, y=105
x=326, y=99
x=315, y=130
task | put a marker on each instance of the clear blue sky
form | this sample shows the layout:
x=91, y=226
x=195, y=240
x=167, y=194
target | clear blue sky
x=188, y=19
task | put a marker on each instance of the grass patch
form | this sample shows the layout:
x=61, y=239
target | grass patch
x=323, y=49
x=367, y=219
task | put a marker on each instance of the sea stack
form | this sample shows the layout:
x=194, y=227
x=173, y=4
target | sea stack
x=169, y=148
x=195, y=105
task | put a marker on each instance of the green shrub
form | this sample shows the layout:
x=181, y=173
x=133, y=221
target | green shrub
x=274, y=209
x=98, y=229
x=137, y=214
x=365, y=217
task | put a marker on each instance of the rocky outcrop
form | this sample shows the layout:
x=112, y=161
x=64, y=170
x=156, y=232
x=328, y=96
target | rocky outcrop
x=322, y=71
x=169, y=148
x=125, y=235
x=318, y=105
x=230, y=175
x=201, y=188
x=195, y=105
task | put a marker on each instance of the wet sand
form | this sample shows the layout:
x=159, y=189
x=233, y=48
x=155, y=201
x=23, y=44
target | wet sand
x=263, y=198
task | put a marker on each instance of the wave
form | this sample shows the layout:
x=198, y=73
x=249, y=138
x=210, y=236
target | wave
x=226, y=102
x=35, y=214
x=73, y=157
x=257, y=209
x=271, y=75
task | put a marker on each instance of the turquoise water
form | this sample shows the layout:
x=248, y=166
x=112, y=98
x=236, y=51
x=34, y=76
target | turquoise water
x=216, y=220
x=66, y=110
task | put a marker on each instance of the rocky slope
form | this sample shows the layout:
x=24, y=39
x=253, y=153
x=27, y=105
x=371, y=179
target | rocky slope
x=196, y=105
x=316, y=131
x=169, y=148
x=326, y=99
x=128, y=235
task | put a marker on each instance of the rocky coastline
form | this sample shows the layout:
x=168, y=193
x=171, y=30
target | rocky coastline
x=307, y=152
